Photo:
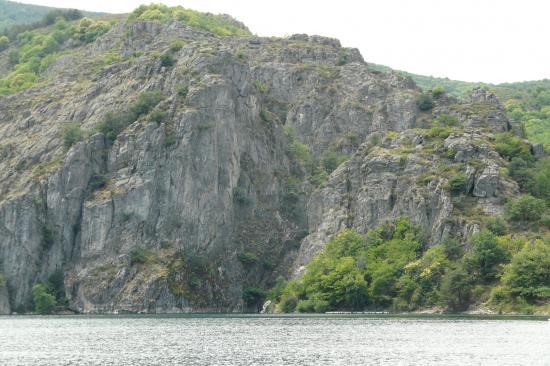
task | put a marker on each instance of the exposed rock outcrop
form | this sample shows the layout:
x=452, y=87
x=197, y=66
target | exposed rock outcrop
x=186, y=211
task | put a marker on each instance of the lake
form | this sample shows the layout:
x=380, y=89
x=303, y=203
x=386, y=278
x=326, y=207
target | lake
x=271, y=340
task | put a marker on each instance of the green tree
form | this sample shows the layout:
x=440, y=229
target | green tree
x=486, y=256
x=540, y=181
x=526, y=208
x=528, y=275
x=456, y=287
x=511, y=146
x=44, y=302
x=424, y=102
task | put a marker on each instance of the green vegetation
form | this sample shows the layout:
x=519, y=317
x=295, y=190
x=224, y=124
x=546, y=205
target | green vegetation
x=142, y=256
x=72, y=133
x=317, y=170
x=44, y=302
x=97, y=182
x=391, y=268
x=115, y=122
x=17, y=15
x=167, y=59
x=247, y=258
x=34, y=49
x=189, y=273
x=49, y=235
x=262, y=88
x=528, y=275
x=183, y=91
x=527, y=103
x=424, y=102
x=510, y=146
x=526, y=209
x=4, y=43
x=458, y=183
x=217, y=24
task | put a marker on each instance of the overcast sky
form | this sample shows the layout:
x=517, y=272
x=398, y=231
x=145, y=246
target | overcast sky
x=472, y=40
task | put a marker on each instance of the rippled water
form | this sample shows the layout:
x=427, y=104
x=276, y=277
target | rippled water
x=227, y=340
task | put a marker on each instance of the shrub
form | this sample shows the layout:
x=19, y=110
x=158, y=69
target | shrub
x=141, y=256
x=262, y=88
x=114, y=123
x=445, y=120
x=438, y=91
x=170, y=140
x=44, y=302
x=424, y=102
x=247, y=258
x=525, y=208
x=49, y=235
x=157, y=116
x=510, y=146
x=331, y=160
x=4, y=43
x=439, y=132
x=176, y=46
x=167, y=59
x=342, y=58
x=72, y=133
x=497, y=226
x=288, y=304
x=458, y=183
x=88, y=30
x=97, y=182
x=183, y=91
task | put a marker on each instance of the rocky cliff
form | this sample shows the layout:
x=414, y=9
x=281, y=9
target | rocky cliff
x=210, y=193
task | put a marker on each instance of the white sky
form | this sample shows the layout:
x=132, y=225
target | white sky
x=472, y=40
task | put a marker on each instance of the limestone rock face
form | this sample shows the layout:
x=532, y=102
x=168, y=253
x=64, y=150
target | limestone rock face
x=185, y=211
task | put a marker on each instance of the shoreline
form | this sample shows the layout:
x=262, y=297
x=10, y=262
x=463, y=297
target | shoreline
x=331, y=315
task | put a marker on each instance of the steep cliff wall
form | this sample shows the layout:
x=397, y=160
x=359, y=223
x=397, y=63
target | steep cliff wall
x=204, y=197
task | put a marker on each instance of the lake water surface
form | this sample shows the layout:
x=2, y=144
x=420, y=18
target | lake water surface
x=275, y=340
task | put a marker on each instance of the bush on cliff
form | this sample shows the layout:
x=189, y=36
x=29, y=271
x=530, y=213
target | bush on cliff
x=115, y=122
x=44, y=302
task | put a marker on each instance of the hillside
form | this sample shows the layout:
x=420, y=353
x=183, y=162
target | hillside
x=14, y=13
x=170, y=161
x=527, y=103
